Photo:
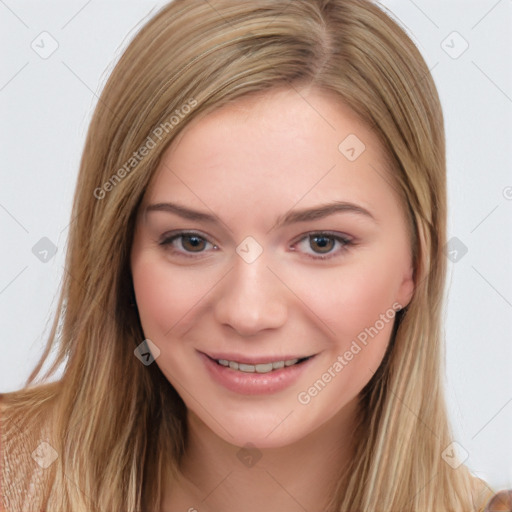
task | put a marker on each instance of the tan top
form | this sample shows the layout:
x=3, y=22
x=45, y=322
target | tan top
x=28, y=465
x=501, y=502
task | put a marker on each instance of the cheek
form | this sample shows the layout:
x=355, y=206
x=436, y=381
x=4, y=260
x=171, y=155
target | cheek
x=356, y=303
x=349, y=299
x=165, y=299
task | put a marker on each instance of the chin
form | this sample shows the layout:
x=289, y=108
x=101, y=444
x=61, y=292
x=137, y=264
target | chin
x=263, y=433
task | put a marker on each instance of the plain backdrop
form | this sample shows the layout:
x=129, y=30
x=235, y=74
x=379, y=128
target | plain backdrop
x=55, y=59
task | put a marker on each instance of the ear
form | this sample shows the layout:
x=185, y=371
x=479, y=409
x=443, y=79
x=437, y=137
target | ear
x=406, y=289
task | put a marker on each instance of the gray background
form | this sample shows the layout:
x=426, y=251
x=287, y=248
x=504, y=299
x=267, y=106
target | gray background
x=46, y=102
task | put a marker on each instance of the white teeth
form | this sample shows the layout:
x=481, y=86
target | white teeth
x=264, y=368
x=257, y=368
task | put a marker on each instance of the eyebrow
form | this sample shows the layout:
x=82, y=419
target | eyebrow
x=291, y=217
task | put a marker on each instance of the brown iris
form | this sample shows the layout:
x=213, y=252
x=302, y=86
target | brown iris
x=192, y=243
x=325, y=243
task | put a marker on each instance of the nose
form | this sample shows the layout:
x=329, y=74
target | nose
x=251, y=298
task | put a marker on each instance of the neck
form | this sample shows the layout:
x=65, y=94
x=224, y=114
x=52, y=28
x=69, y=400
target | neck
x=217, y=476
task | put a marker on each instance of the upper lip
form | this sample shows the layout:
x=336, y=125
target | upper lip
x=253, y=360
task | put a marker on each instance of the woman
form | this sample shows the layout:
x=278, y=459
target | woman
x=250, y=314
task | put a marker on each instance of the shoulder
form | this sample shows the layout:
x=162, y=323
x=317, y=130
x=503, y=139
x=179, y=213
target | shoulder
x=26, y=451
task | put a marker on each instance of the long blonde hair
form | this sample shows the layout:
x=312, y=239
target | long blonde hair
x=119, y=426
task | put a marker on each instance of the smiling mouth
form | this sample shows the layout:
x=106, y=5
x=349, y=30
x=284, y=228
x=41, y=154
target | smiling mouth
x=259, y=368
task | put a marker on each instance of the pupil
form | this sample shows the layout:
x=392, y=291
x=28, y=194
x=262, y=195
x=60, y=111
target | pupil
x=194, y=241
x=324, y=242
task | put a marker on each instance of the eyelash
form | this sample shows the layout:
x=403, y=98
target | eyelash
x=346, y=243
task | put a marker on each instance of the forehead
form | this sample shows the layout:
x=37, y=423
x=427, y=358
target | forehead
x=274, y=150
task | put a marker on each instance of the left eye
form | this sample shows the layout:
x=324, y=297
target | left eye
x=325, y=242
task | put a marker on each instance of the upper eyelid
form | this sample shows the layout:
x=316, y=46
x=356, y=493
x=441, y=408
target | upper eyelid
x=332, y=234
x=300, y=237
x=177, y=233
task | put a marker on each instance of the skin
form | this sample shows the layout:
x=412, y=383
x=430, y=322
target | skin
x=250, y=163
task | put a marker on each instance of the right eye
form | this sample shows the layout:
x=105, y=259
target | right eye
x=186, y=243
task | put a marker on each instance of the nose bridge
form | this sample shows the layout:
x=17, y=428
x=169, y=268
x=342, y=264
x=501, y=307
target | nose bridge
x=251, y=298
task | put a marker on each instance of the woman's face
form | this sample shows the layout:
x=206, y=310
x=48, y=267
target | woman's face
x=271, y=232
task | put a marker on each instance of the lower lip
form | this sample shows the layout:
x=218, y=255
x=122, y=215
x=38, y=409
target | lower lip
x=254, y=383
